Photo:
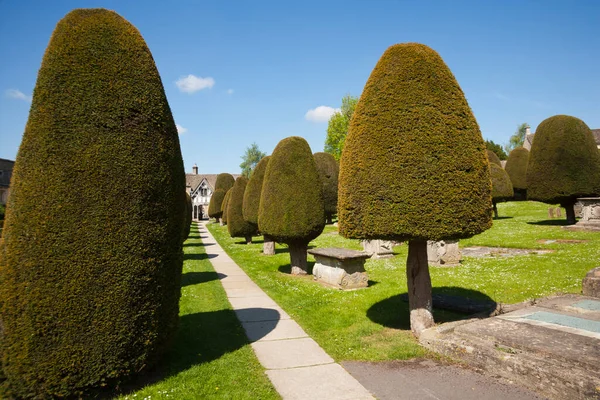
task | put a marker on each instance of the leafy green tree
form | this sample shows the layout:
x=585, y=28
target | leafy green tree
x=338, y=127
x=496, y=148
x=89, y=277
x=291, y=207
x=502, y=188
x=518, y=138
x=414, y=167
x=564, y=163
x=250, y=159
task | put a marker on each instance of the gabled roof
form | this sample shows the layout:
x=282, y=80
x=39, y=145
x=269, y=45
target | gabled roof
x=194, y=180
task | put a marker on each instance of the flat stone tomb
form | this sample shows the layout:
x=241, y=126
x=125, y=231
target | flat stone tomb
x=341, y=268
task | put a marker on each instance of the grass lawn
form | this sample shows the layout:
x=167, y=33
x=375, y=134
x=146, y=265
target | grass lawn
x=373, y=323
x=211, y=356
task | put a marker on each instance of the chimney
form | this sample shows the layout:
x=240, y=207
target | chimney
x=195, y=169
x=527, y=130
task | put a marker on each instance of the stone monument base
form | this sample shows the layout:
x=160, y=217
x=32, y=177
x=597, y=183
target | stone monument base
x=443, y=253
x=341, y=268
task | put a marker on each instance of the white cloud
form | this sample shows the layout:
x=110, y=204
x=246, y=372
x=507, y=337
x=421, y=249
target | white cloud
x=17, y=94
x=180, y=129
x=229, y=91
x=320, y=114
x=192, y=83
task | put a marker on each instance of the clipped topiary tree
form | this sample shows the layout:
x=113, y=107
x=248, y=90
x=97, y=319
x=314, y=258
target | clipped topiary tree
x=414, y=166
x=502, y=188
x=493, y=158
x=90, y=266
x=291, y=207
x=224, y=205
x=252, y=201
x=237, y=226
x=328, y=174
x=187, y=224
x=516, y=168
x=215, y=203
x=563, y=163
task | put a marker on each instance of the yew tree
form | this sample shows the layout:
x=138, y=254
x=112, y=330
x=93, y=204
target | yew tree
x=414, y=167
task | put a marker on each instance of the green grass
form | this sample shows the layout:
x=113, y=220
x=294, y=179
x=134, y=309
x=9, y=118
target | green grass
x=211, y=357
x=373, y=323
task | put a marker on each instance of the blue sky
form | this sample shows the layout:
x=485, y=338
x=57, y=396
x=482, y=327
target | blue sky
x=258, y=67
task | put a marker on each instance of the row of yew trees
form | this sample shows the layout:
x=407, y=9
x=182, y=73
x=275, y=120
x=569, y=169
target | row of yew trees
x=91, y=251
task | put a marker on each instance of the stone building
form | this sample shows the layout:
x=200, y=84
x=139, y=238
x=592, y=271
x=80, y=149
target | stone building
x=201, y=187
x=6, y=167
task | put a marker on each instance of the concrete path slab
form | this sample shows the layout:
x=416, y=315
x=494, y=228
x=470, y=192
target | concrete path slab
x=296, y=365
x=322, y=382
x=273, y=330
x=290, y=353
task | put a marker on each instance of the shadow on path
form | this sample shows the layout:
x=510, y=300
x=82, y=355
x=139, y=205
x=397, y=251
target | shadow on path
x=193, y=278
x=199, y=256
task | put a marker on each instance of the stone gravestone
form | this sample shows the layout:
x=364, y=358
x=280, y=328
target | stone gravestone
x=340, y=268
x=590, y=215
x=378, y=248
x=445, y=252
x=558, y=212
x=591, y=283
x=551, y=212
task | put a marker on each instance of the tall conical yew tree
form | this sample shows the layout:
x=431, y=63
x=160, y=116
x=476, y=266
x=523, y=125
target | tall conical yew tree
x=237, y=226
x=328, y=174
x=414, y=166
x=564, y=163
x=291, y=202
x=502, y=188
x=493, y=158
x=252, y=202
x=91, y=252
x=224, y=182
x=224, y=209
x=187, y=224
x=516, y=168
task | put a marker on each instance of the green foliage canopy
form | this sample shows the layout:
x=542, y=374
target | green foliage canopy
x=328, y=174
x=493, y=158
x=90, y=260
x=518, y=138
x=502, y=188
x=253, y=190
x=337, y=129
x=564, y=161
x=224, y=205
x=291, y=205
x=216, y=201
x=414, y=165
x=236, y=224
x=516, y=167
x=496, y=148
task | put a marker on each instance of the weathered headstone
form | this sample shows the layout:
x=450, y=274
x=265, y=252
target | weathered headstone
x=558, y=212
x=551, y=212
x=443, y=252
x=590, y=215
x=591, y=283
x=378, y=248
x=340, y=268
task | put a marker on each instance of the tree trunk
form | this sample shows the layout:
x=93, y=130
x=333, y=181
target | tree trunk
x=419, y=287
x=570, y=211
x=268, y=246
x=298, y=259
x=495, y=209
x=248, y=239
x=329, y=219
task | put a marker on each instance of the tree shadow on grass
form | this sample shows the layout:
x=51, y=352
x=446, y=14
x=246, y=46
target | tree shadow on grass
x=201, y=338
x=193, y=278
x=394, y=311
x=550, y=222
x=287, y=268
x=501, y=217
x=198, y=256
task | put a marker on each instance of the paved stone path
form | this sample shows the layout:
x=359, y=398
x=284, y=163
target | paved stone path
x=296, y=365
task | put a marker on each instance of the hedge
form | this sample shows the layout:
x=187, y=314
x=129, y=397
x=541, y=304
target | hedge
x=516, y=167
x=224, y=210
x=493, y=158
x=236, y=224
x=329, y=171
x=253, y=190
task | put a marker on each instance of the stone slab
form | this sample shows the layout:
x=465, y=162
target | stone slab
x=260, y=314
x=339, y=253
x=273, y=330
x=244, y=292
x=242, y=284
x=420, y=379
x=591, y=305
x=565, y=320
x=252, y=302
x=290, y=353
x=322, y=382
